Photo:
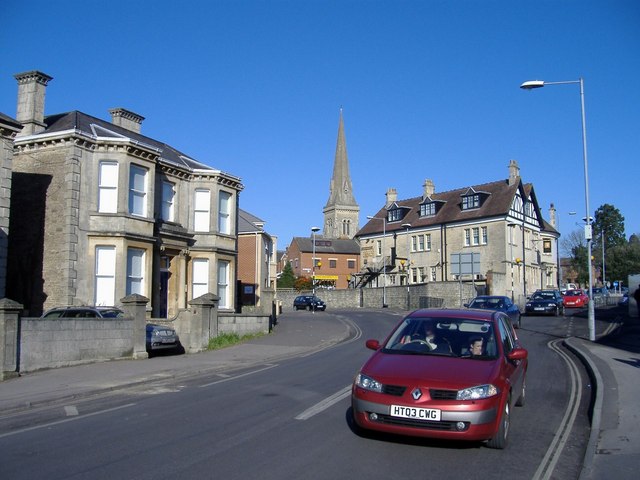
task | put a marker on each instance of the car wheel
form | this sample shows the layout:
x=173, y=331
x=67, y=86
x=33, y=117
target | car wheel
x=523, y=394
x=500, y=440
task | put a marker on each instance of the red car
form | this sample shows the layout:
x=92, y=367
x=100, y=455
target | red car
x=447, y=374
x=575, y=298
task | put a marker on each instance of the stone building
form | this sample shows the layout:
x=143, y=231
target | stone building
x=338, y=253
x=9, y=128
x=341, y=213
x=491, y=234
x=100, y=211
x=257, y=262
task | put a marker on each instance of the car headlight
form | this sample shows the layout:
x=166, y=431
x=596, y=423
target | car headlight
x=477, y=393
x=368, y=383
x=528, y=304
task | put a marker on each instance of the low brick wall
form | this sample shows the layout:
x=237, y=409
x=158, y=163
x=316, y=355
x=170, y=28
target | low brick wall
x=61, y=342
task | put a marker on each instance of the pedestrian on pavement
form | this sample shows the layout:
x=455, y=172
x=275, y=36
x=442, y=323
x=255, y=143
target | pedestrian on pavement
x=636, y=295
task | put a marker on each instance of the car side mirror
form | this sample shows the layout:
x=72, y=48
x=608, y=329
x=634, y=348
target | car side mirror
x=466, y=305
x=373, y=344
x=518, y=354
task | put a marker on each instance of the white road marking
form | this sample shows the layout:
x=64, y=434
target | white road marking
x=47, y=425
x=324, y=404
x=269, y=366
x=71, y=411
x=545, y=470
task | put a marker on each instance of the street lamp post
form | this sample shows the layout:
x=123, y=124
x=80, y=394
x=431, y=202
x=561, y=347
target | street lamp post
x=588, y=233
x=604, y=281
x=384, y=259
x=408, y=226
x=313, y=260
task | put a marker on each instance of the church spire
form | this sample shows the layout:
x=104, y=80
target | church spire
x=340, y=188
x=341, y=211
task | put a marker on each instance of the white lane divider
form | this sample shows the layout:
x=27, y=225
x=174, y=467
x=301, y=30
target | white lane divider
x=71, y=419
x=228, y=377
x=324, y=404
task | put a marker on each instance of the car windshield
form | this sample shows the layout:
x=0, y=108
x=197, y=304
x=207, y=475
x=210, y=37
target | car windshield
x=443, y=336
x=488, y=303
x=111, y=312
x=543, y=296
x=574, y=293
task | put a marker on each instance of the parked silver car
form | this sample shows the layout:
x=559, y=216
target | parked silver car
x=83, y=312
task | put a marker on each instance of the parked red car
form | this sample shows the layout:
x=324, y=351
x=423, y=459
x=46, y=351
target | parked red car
x=575, y=298
x=448, y=374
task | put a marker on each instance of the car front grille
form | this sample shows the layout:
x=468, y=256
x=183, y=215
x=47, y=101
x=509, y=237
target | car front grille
x=443, y=394
x=394, y=390
x=424, y=424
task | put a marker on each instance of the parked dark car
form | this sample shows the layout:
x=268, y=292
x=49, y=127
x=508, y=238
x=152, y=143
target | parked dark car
x=545, y=302
x=599, y=292
x=83, y=312
x=309, y=302
x=162, y=338
x=624, y=300
x=407, y=387
x=498, y=303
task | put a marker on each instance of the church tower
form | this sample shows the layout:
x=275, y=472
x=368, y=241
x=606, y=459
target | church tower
x=341, y=213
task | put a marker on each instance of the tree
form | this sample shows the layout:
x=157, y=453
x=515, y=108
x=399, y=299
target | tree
x=287, y=278
x=623, y=260
x=608, y=226
x=609, y=242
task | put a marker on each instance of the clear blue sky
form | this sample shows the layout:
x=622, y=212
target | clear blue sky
x=429, y=90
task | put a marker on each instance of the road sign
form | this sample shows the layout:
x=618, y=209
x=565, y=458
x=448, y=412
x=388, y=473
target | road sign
x=465, y=263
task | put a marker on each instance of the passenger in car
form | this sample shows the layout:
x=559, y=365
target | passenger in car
x=475, y=348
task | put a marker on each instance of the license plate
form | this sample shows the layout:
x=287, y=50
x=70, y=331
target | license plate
x=539, y=308
x=432, y=414
x=167, y=340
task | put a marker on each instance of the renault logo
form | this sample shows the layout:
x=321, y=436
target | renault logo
x=416, y=394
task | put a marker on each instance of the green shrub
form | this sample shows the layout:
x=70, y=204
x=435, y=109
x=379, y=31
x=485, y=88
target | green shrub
x=229, y=339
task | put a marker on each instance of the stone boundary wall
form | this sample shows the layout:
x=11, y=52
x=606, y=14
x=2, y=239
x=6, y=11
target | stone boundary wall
x=62, y=342
x=434, y=295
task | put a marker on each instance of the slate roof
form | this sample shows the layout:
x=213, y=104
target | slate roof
x=328, y=245
x=96, y=127
x=498, y=200
x=248, y=223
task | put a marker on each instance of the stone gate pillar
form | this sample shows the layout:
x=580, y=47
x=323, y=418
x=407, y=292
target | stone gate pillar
x=9, y=346
x=135, y=306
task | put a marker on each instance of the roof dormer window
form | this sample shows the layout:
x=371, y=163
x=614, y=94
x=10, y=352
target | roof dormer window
x=471, y=201
x=394, y=215
x=428, y=209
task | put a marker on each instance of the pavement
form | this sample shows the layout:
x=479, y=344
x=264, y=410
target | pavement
x=612, y=361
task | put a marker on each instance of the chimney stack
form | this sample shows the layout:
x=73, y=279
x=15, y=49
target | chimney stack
x=30, y=112
x=392, y=196
x=126, y=119
x=429, y=188
x=514, y=172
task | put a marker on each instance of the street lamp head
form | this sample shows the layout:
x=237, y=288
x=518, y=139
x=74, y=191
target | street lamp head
x=315, y=229
x=406, y=225
x=531, y=84
x=370, y=217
